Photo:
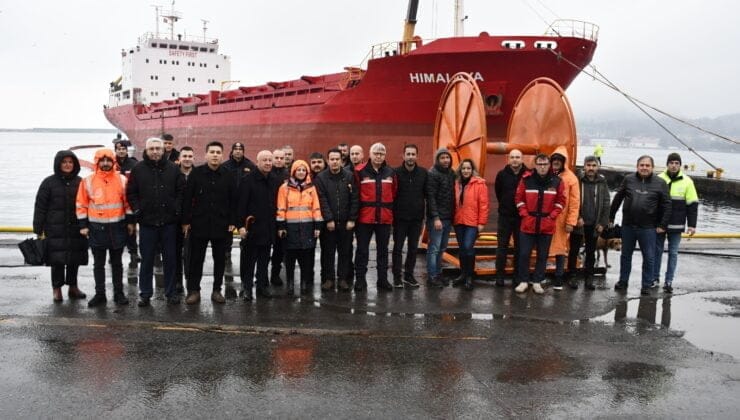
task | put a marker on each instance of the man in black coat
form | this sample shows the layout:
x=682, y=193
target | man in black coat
x=154, y=193
x=408, y=216
x=339, y=199
x=125, y=165
x=208, y=216
x=257, y=226
x=507, y=179
x=170, y=153
x=241, y=166
x=54, y=218
x=646, y=213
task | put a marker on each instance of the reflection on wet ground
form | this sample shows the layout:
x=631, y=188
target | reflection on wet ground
x=707, y=320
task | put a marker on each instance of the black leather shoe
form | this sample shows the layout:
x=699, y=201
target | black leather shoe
x=97, y=300
x=264, y=293
x=173, y=300
x=384, y=285
x=360, y=286
x=620, y=286
x=668, y=288
x=143, y=302
x=247, y=296
x=500, y=283
x=120, y=299
x=645, y=291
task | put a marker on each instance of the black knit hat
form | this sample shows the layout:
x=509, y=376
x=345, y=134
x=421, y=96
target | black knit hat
x=673, y=157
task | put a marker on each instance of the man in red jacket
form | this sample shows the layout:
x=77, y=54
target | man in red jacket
x=378, y=186
x=540, y=198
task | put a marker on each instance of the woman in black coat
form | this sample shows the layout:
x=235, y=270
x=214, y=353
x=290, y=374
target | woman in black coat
x=54, y=217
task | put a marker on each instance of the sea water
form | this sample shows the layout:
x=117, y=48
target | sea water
x=28, y=158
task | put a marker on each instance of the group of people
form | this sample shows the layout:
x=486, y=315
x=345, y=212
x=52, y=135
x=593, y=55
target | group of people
x=281, y=207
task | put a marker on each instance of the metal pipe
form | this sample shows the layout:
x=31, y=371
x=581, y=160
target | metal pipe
x=502, y=148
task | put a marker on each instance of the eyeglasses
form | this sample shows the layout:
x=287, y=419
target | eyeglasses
x=542, y=164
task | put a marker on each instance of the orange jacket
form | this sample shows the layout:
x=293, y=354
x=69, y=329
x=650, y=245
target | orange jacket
x=473, y=210
x=569, y=216
x=298, y=210
x=101, y=197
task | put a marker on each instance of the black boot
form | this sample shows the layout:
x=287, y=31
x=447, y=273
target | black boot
x=460, y=280
x=289, y=284
x=470, y=272
x=589, y=283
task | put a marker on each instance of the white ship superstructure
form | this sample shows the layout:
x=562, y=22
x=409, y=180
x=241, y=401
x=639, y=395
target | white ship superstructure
x=169, y=66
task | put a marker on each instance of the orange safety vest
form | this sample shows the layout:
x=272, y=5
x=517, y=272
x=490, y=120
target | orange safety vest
x=101, y=197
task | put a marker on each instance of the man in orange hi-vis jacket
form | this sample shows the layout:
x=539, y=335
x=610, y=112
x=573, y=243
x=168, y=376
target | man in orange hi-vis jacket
x=103, y=212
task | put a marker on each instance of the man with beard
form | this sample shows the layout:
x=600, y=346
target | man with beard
x=339, y=205
x=182, y=249
x=155, y=192
x=125, y=165
x=646, y=214
x=408, y=216
x=440, y=211
x=593, y=218
x=208, y=216
x=102, y=213
x=344, y=150
x=356, y=157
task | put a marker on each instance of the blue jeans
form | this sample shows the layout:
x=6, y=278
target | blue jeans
x=674, y=239
x=149, y=237
x=437, y=246
x=466, y=236
x=646, y=238
x=527, y=242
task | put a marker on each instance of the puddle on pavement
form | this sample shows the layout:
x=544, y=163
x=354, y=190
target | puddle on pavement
x=709, y=320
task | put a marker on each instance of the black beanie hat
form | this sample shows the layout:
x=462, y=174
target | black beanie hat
x=673, y=157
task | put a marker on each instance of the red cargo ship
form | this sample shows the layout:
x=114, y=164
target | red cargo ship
x=394, y=99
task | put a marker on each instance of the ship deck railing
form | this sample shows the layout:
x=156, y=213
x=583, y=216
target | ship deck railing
x=574, y=29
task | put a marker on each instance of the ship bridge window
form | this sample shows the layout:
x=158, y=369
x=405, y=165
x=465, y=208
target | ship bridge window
x=216, y=65
x=211, y=50
x=173, y=46
x=147, y=60
x=154, y=45
x=545, y=45
x=513, y=44
x=203, y=49
x=184, y=47
x=194, y=48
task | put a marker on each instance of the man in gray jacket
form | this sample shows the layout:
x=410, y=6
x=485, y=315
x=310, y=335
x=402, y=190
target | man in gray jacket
x=593, y=218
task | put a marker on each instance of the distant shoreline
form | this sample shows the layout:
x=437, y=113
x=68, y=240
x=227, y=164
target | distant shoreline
x=58, y=130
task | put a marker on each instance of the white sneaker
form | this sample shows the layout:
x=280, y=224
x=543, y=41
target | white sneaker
x=522, y=287
x=537, y=288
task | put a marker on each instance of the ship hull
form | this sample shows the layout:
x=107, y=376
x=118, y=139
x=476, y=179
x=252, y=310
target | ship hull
x=395, y=102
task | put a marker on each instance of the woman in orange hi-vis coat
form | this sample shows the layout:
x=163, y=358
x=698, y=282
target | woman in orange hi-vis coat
x=471, y=216
x=568, y=219
x=299, y=222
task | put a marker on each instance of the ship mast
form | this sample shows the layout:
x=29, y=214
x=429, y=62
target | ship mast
x=460, y=18
x=171, y=18
x=408, y=27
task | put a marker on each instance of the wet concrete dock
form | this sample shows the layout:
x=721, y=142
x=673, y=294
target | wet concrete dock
x=407, y=353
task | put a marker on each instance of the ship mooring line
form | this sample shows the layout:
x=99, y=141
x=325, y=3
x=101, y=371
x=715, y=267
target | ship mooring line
x=601, y=78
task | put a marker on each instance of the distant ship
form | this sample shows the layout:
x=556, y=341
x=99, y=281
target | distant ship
x=171, y=83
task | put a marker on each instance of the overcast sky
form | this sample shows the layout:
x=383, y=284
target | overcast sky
x=58, y=57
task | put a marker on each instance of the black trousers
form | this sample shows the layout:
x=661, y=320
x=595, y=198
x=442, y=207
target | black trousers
x=336, y=247
x=364, y=233
x=182, y=257
x=99, y=269
x=405, y=231
x=64, y=274
x=508, y=227
x=253, y=256
x=589, y=235
x=198, y=248
x=305, y=258
x=278, y=255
